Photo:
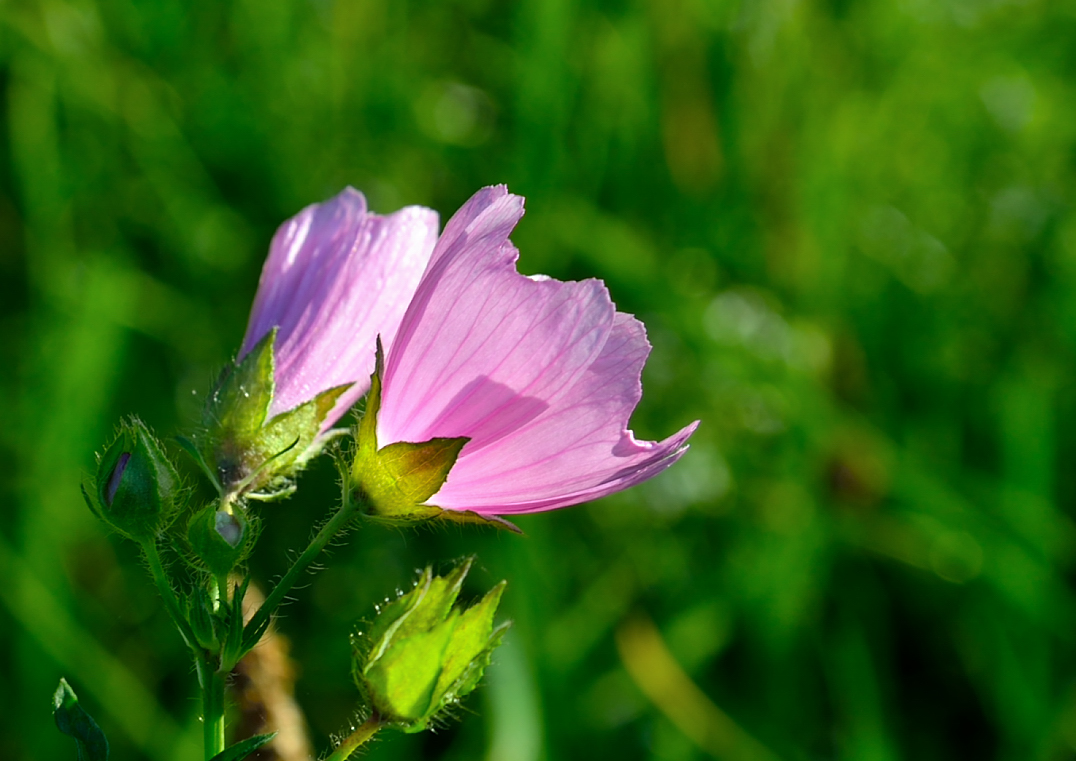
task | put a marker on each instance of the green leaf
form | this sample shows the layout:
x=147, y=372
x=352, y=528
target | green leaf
x=203, y=623
x=244, y=748
x=426, y=604
x=72, y=720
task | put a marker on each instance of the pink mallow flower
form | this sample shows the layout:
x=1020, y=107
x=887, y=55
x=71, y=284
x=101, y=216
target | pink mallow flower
x=336, y=277
x=541, y=375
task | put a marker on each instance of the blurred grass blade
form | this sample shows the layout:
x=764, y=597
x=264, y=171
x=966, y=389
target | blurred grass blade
x=658, y=675
x=73, y=721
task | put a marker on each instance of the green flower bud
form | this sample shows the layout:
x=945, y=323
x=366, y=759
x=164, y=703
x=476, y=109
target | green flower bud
x=220, y=538
x=136, y=490
x=421, y=655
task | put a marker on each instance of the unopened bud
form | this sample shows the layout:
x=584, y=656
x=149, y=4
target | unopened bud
x=421, y=655
x=136, y=487
x=219, y=538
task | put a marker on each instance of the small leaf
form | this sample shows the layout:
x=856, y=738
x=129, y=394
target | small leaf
x=72, y=720
x=244, y=748
x=248, y=452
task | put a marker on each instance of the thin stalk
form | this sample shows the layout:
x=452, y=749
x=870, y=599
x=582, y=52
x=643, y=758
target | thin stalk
x=171, y=603
x=280, y=591
x=212, y=683
x=369, y=728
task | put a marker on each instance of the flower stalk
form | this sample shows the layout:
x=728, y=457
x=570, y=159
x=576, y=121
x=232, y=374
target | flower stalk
x=337, y=523
x=357, y=739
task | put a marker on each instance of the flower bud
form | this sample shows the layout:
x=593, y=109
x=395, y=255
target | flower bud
x=421, y=655
x=136, y=489
x=219, y=538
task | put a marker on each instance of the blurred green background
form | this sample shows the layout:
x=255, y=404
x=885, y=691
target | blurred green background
x=848, y=225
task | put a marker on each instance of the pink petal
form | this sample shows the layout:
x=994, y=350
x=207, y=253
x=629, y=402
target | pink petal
x=542, y=375
x=579, y=450
x=336, y=277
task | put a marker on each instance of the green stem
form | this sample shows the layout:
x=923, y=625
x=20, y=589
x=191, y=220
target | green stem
x=369, y=728
x=280, y=591
x=171, y=603
x=212, y=683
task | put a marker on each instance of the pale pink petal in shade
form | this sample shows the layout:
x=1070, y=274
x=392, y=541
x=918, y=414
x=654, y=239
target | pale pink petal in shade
x=337, y=276
x=542, y=375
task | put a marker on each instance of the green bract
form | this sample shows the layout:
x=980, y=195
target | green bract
x=136, y=487
x=248, y=454
x=421, y=655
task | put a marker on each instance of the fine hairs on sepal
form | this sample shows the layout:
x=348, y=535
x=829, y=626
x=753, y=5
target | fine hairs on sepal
x=420, y=655
x=136, y=489
x=251, y=452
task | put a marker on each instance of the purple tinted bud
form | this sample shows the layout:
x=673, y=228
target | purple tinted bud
x=116, y=477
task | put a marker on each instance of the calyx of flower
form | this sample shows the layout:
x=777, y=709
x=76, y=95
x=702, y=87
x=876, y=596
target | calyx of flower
x=394, y=482
x=136, y=487
x=248, y=453
x=421, y=655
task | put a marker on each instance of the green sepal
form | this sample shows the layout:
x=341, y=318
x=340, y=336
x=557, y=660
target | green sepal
x=246, y=452
x=471, y=518
x=394, y=481
x=220, y=538
x=421, y=655
x=235, y=643
x=243, y=748
x=469, y=649
x=240, y=401
x=192, y=451
x=205, y=624
x=72, y=719
x=136, y=489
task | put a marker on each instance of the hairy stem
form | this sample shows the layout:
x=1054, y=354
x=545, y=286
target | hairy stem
x=171, y=603
x=351, y=743
x=272, y=601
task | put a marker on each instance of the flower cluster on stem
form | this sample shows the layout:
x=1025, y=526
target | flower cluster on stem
x=488, y=394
